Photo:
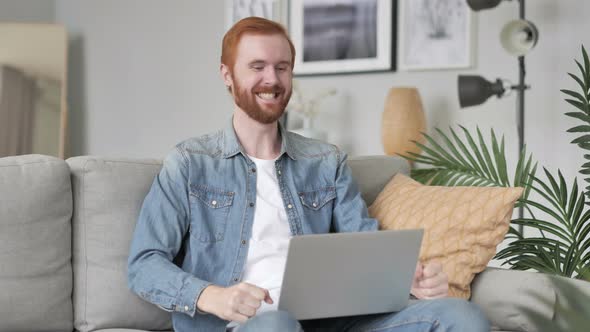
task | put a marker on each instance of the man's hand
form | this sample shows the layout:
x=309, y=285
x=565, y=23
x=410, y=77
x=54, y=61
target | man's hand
x=236, y=303
x=430, y=281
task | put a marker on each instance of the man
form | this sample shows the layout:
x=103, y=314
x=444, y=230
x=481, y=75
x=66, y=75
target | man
x=230, y=202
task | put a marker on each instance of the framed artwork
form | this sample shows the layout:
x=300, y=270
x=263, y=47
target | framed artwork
x=434, y=34
x=275, y=10
x=342, y=36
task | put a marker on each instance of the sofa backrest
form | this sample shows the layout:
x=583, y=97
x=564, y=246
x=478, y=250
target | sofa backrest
x=372, y=173
x=35, y=244
x=108, y=194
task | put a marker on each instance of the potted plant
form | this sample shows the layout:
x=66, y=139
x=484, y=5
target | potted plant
x=558, y=213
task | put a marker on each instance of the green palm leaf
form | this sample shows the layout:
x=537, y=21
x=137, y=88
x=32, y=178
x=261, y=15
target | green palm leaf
x=579, y=129
x=582, y=103
x=467, y=162
x=577, y=79
x=574, y=94
x=567, y=251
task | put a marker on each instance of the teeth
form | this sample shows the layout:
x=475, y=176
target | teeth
x=267, y=96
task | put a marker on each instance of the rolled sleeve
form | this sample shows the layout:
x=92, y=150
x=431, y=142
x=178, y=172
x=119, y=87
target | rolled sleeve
x=189, y=295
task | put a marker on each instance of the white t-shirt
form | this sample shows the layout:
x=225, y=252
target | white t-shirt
x=267, y=253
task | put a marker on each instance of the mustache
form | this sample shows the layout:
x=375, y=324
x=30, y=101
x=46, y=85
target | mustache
x=269, y=89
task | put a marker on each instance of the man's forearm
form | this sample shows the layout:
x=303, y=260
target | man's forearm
x=157, y=280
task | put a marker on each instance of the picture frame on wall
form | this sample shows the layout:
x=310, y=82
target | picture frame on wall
x=435, y=34
x=342, y=36
x=236, y=10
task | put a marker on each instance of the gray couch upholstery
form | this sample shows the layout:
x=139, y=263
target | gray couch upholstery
x=66, y=226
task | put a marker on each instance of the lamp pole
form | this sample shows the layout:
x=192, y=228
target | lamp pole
x=520, y=89
x=513, y=42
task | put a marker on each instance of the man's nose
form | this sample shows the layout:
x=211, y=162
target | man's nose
x=270, y=76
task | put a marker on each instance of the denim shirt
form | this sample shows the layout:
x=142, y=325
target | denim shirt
x=201, y=206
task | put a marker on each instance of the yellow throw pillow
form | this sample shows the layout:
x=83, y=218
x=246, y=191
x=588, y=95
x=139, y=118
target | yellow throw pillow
x=462, y=225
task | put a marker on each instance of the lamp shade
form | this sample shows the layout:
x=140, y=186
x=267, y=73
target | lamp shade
x=475, y=90
x=518, y=37
x=482, y=4
x=403, y=121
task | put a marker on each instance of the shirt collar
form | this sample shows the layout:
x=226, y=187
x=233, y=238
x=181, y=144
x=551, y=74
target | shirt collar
x=232, y=146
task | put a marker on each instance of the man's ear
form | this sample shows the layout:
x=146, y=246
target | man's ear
x=226, y=75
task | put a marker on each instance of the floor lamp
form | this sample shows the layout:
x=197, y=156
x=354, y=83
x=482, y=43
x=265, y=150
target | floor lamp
x=518, y=37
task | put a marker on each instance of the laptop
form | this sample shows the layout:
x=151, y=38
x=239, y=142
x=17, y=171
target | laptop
x=347, y=274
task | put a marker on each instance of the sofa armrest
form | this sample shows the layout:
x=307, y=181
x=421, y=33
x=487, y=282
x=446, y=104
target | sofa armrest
x=503, y=294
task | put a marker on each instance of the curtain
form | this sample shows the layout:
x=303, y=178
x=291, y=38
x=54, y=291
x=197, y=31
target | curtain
x=17, y=99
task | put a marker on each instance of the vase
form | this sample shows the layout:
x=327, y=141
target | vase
x=403, y=121
x=307, y=130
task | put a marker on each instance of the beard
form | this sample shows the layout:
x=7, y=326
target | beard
x=246, y=100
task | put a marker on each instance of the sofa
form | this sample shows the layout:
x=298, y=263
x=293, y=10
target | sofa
x=65, y=231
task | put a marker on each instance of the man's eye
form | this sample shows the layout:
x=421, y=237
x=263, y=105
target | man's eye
x=282, y=69
x=257, y=68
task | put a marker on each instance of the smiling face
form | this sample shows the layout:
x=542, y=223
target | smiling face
x=260, y=80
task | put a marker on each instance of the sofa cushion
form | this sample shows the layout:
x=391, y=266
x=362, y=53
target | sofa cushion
x=108, y=194
x=572, y=303
x=505, y=295
x=462, y=225
x=35, y=244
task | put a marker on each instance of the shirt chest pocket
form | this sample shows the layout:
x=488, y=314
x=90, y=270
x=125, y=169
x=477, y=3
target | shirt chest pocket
x=317, y=208
x=317, y=199
x=210, y=209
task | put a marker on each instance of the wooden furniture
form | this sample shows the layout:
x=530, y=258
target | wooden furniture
x=39, y=53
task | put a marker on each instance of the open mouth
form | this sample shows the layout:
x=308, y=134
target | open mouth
x=268, y=95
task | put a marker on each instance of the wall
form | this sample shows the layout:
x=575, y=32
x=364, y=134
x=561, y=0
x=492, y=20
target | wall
x=27, y=11
x=144, y=75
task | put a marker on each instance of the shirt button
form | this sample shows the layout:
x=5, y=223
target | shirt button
x=185, y=308
x=236, y=279
x=251, y=204
x=214, y=203
x=314, y=204
x=279, y=171
x=289, y=206
x=243, y=241
x=253, y=170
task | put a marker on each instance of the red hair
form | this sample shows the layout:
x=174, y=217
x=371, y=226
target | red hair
x=250, y=25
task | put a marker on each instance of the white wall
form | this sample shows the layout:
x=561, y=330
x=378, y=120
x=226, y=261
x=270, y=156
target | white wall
x=27, y=11
x=144, y=75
